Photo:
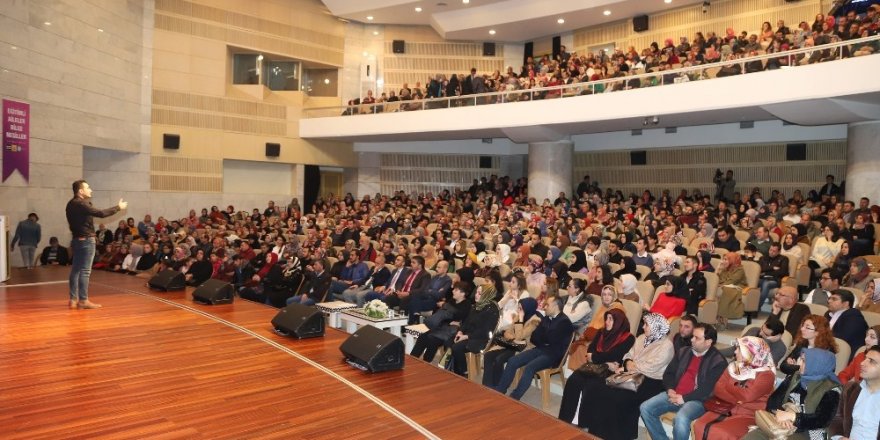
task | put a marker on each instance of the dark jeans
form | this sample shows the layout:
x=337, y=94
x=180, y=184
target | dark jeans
x=493, y=365
x=83, y=255
x=531, y=361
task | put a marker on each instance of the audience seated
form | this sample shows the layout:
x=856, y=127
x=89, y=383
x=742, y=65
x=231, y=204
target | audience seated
x=54, y=254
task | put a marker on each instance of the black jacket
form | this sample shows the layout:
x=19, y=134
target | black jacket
x=795, y=316
x=711, y=369
x=478, y=325
x=851, y=327
x=553, y=336
x=696, y=292
x=316, y=285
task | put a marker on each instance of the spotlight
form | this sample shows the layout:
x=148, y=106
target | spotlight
x=655, y=120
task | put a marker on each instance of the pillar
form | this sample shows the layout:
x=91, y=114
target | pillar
x=550, y=168
x=863, y=161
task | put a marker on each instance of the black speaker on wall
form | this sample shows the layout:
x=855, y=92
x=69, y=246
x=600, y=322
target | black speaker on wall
x=796, y=152
x=638, y=158
x=273, y=150
x=398, y=46
x=485, y=161
x=299, y=321
x=373, y=350
x=488, y=49
x=167, y=280
x=171, y=141
x=640, y=23
x=214, y=292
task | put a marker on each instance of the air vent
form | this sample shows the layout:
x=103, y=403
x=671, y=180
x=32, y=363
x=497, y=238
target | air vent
x=637, y=132
x=746, y=124
x=670, y=130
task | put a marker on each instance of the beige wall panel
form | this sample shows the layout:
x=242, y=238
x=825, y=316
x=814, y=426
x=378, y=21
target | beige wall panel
x=413, y=33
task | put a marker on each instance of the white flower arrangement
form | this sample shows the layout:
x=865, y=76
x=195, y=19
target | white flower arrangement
x=376, y=309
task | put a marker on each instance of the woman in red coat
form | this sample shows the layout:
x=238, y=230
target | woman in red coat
x=744, y=388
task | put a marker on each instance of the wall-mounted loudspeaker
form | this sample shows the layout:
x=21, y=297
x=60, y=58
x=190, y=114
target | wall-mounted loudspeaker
x=638, y=158
x=485, y=161
x=796, y=152
x=273, y=150
x=640, y=23
x=214, y=292
x=373, y=350
x=488, y=49
x=171, y=141
x=299, y=321
x=398, y=46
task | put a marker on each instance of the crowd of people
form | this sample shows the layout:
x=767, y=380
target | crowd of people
x=490, y=270
x=728, y=50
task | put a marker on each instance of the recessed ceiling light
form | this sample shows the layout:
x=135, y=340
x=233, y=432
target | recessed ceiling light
x=14, y=47
x=370, y=17
x=465, y=1
x=561, y=21
x=418, y=9
x=375, y=32
x=47, y=23
x=491, y=31
x=366, y=53
x=667, y=1
x=607, y=12
x=100, y=30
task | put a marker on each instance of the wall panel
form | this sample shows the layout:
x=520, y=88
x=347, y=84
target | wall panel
x=434, y=173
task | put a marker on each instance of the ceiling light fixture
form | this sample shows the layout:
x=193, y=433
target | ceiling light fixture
x=561, y=21
x=47, y=23
x=326, y=81
x=100, y=30
x=667, y=1
x=418, y=9
x=607, y=12
x=491, y=31
x=465, y=1
x=370, y=17
x=375, y=32
x=366, y=53
x=14, y=47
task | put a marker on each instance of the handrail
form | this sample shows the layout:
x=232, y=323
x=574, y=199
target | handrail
x=505, y=96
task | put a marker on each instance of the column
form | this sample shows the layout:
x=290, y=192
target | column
x=550, y=168
x=863, y=162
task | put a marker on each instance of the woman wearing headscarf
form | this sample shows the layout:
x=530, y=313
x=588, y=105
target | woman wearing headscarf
x=814, y=388
x=473, y=335
x=535, y=270
x=578, y=306
x=552, y=258
x=430, y=254
x=628, y=284
x=611, y=341
x=521, y=330
x=871, y=300
x=628, y=266
x=673, y=300
x=858, y=275
x=664, y=265
x=704, y=258
x=502, y=254
x=580, y=262
x=744, y=388
x=559, y=271
x=732, y=279
x=522, y=256
x=579, y=351
x=589, y=403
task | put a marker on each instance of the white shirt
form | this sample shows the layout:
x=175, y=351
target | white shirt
x=834, y=316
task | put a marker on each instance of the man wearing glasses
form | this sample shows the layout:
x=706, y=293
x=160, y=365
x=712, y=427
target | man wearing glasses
x=787, y=310
x=829, y=281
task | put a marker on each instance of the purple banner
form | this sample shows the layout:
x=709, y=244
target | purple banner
x=16, y=138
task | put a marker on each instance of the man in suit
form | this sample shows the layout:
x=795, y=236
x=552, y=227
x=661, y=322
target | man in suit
x=550, y=339
x=398, y=276
x=846, y=322
x=829, y=189
x=689, y=380
x=315, y=288
x=416, y=281
x=788, y=310
x=426, y=299
x=378, y=278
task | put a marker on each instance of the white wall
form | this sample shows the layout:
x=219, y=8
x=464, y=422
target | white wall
x=246, y=177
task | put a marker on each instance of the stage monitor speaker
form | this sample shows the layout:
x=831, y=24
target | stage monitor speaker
x=796, y=152
x=273, y=150
x=488, y=49
x=638, y=158
x=398, y=46
x=299, y=321
x=640, y=23
x=171, y=141
x=214, y=292
x=373, y=350
x=167, y=280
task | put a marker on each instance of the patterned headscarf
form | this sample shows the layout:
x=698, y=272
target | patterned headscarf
x=658, y=325
x=875, y=294
x=487, y=297
x=756, y=357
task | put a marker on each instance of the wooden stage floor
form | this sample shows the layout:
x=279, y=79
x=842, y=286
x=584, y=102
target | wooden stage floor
x=156, y=365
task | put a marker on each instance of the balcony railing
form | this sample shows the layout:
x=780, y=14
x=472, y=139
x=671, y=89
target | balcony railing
x=786, y=59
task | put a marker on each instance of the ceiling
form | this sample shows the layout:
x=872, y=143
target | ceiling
x=512, y=20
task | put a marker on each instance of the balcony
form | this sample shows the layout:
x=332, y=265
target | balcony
x=834, y=92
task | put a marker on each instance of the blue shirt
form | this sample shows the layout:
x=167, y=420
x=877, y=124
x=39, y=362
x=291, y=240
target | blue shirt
x=866, y=414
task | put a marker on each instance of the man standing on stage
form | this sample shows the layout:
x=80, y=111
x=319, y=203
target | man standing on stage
x=79, y=216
